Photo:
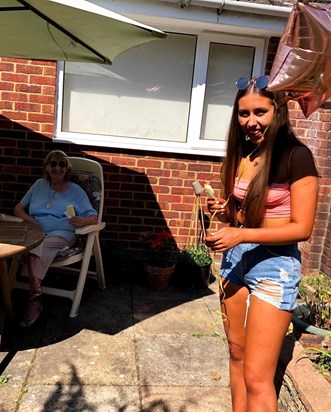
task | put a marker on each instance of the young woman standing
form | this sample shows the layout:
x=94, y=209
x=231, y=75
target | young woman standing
x=269, y=198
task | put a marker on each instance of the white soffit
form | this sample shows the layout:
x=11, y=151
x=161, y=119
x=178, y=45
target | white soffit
x=230, y=16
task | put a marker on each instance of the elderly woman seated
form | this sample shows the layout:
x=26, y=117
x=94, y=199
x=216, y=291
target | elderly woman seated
x=59, y=206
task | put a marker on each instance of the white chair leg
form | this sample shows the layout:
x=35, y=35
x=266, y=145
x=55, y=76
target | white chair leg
x=82, y=276
x=99, y=263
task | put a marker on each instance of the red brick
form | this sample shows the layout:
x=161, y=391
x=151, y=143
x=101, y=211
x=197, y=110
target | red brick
x=6, y=67
x=40, y=118
x=200, y=167
x=49, y=71
x=28, y=69
x=158, y=172
x=15, y=115
x=146, y=163
x=48, y=90
x=48, y=108
x=40, y=98
x=7, y=86
x=47, y=129
x=27, y=88
x=15, y=97
x=161, y=189
x=27, y=107
x=122, y=161
x=42, y=80
x=13, y=77
x=6, y=105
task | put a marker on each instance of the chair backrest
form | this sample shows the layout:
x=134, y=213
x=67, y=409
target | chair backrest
x=88, y=174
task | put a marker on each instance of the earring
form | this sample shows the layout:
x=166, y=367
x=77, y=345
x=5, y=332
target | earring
x=247, y=138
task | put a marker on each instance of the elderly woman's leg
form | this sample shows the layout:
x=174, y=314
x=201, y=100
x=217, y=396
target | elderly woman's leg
x=38, y=261
x=34, y=306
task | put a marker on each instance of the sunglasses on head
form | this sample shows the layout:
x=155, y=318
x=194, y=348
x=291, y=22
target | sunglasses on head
x=260, y=82
x=61, y=163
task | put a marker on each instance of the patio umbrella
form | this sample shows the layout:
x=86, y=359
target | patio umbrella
x=71, y=30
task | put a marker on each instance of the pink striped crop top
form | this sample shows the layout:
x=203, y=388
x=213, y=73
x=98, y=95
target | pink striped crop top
x=278, y=198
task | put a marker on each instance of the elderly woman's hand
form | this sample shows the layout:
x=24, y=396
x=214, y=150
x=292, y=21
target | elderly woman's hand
x=77, y=221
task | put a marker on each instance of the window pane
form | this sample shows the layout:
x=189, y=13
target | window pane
x=226, y=64
x=144, y=94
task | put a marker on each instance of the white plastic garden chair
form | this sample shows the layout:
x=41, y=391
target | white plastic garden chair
x=89, y=175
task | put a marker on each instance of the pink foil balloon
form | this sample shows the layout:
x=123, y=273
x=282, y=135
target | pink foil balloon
x=302, y=65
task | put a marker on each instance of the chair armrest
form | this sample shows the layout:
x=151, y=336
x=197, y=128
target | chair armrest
x=90, y=228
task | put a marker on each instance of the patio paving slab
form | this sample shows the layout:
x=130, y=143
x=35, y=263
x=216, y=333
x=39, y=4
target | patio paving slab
x=94, y=358
x=182, y=361
x=186, y=399
x=129, y=350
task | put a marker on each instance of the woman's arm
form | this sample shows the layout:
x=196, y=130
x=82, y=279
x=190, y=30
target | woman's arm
x=304, y=194
x=20, y=211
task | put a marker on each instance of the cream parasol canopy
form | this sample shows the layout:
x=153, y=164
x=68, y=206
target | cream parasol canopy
x=70, y=30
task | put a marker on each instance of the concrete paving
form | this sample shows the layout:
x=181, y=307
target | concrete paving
x=130, y=350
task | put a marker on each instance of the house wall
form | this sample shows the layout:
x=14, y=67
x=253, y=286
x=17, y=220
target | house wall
x=143, y=191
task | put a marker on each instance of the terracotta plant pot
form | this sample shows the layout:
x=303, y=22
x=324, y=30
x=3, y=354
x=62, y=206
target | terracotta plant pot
x=158, y=278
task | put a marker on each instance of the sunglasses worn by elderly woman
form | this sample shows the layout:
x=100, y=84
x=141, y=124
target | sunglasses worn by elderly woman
x=61, y=163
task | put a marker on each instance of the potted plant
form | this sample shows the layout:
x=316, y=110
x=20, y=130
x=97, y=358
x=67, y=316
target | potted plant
x=195, y=266
x=312, y=321
x=161, y=254
x=313, y=313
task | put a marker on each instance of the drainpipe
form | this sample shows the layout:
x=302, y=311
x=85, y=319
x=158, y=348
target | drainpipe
x=239, y=6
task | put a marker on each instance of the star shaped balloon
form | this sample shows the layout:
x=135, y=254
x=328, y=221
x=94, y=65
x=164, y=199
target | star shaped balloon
x=302, y=65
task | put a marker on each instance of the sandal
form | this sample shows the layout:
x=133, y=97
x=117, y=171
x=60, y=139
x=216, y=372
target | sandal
x=34, y=306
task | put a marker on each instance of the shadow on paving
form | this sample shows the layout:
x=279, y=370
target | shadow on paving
x=67, y=398
x=72, y=397
x=109, y=311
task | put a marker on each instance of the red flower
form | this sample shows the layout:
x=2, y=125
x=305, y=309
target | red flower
x=161, y=249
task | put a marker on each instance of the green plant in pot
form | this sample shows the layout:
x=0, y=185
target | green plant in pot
x=313, y=313
x=194, y=266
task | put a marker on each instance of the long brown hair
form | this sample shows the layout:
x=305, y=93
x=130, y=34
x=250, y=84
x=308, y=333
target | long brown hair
x=279, y=136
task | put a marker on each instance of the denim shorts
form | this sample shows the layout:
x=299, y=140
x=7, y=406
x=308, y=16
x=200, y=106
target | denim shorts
x=270, y=272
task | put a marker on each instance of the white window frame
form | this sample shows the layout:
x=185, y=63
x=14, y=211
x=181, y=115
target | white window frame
x=199, y=86
x=193, y=145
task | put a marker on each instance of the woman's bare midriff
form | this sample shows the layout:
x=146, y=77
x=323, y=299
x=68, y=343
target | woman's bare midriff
x=267, y=222
x=276, y=222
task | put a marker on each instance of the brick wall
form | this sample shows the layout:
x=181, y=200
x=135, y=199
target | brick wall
x=142, y=190
x=316, y=133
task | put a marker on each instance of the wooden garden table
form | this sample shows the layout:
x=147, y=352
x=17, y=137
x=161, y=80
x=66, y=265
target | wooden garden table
x=15, y=238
